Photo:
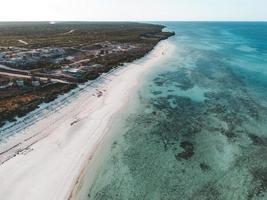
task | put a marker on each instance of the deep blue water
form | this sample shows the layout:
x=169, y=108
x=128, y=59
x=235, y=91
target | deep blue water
x=200, y=128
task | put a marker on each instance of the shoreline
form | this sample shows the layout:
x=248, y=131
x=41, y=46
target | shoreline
x=60, y=146
x=56, y=64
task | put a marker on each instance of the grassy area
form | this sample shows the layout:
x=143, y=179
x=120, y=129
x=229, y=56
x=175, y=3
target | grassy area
x=66, y=34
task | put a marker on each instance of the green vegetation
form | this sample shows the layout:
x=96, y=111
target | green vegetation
x=66, y=34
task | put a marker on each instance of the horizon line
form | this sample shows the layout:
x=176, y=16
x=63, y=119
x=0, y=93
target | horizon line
x=57, y=21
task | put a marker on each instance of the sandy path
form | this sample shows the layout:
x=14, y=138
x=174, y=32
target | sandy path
x=69, y=32
x=12, y=69
x=30, y=77
x=50, y=155
x=23, y=42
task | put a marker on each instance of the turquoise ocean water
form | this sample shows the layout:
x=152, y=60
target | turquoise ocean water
x=198, y=127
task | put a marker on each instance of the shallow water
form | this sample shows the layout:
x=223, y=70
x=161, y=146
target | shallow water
x=199, y=130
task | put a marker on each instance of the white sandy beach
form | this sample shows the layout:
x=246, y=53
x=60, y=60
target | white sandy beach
x=45, y=160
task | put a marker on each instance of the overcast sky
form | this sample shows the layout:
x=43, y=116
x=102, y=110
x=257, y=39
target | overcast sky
x=133, y=10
